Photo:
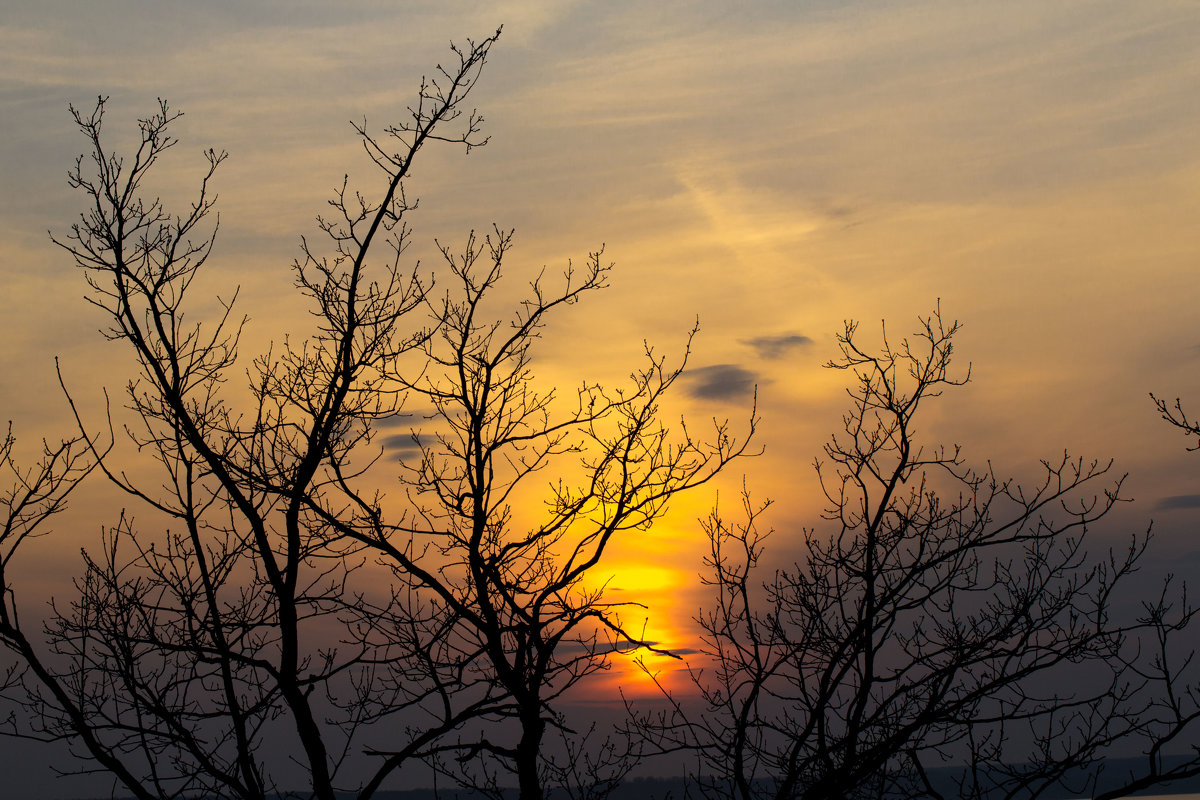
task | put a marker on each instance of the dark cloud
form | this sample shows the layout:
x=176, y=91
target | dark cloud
x=720, y=381
x=610, y=647
x=404, y=442
x=1179, y=501
x=686, y=651
x=776, y=346
x=405, y=419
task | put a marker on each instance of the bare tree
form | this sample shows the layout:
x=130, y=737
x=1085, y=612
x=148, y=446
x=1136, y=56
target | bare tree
x=1176, y=416
x=945, y=616
x=249, y=608
x=507, y=601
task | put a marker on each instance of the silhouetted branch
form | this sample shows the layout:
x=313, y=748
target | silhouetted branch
x=945, y=616
x=272, y=591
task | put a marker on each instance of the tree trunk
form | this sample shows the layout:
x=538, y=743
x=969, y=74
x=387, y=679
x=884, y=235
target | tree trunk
x=528, y=780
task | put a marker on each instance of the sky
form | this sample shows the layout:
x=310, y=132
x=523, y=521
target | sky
x=771, y=169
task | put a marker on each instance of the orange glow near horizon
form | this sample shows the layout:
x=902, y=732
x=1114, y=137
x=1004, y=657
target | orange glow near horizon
x=657, y=615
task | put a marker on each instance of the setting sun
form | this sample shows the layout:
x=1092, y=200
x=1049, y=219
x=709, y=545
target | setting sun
x=656, y=615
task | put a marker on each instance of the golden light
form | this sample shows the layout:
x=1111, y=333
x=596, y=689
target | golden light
x=653, y=615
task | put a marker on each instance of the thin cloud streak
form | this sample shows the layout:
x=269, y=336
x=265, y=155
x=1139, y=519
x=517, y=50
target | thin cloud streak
x=1179, y=502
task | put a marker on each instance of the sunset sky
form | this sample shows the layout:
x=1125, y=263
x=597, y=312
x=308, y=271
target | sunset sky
x=771, y=168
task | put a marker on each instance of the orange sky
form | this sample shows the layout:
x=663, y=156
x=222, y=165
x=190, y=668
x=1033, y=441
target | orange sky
x=773, y=168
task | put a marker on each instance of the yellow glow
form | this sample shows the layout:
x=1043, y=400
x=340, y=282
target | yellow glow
x=657, y=615
x=644, y=578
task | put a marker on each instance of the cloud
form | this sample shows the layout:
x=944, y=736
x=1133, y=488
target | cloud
x=776, y=346
x=720, y=381
x=612, y=647
x=408, y=441
x=404, y=442
x=1179, y=501
x=686, y=651
x=401, y=419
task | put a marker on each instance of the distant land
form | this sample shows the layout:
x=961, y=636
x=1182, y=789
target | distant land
x=1114, y=771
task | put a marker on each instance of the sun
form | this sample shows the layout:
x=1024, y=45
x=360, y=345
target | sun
x=648, y=600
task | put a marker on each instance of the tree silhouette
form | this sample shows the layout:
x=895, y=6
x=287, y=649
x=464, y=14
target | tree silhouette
x=271, y=597
x=1177, y=417
x=944, y=617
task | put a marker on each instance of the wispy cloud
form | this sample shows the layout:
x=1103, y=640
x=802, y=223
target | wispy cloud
x=777, y=346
